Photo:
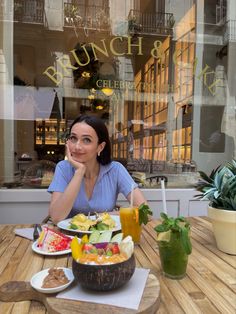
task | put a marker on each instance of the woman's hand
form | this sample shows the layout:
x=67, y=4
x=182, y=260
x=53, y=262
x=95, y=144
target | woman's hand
x=77, y=165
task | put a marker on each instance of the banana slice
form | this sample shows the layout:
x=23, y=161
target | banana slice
x=127, y=247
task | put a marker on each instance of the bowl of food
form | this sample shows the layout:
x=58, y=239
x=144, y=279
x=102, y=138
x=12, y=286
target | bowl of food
x=103, y=266
x=52, y=280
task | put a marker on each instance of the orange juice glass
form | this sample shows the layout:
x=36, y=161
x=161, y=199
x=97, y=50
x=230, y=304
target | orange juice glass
x=129, y=223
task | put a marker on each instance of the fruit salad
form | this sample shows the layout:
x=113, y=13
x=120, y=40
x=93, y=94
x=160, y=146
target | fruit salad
x=102, y=253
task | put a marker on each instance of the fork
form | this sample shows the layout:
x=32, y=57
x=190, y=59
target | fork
x=37, y=229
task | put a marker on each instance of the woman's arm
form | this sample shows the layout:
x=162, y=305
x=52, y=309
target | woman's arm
x=138, y=197
x=62, y=202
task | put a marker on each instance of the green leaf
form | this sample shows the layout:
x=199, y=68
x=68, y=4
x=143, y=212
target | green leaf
x=163, y=216
x=144, y=211
x=73, y=226
x=181, y=219
x=162, y=228
x=101, y=226
x=205, y=177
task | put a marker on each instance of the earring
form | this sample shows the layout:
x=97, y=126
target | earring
x=98, y=154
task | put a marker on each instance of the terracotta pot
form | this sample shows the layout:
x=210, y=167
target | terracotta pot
x=224, y=227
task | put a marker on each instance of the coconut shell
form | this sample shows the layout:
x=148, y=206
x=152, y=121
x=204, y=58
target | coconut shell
x=104, y=277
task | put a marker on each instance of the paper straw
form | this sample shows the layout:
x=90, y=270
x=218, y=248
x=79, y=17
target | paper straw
x=163, y=193
x=132, y=196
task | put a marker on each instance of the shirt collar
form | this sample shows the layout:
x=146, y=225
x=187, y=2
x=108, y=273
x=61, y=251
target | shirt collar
x=105, y=169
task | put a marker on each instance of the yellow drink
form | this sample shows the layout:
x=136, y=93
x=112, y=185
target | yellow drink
x=129, y=223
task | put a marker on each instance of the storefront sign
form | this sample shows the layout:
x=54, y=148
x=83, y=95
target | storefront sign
x=207, y=75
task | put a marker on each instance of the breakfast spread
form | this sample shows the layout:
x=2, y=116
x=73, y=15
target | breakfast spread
x=101, y=222
x=53, y=241
x=55, y=278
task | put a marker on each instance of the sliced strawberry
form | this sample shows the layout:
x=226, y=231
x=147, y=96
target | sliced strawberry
x=115, y=249
x=88, y=247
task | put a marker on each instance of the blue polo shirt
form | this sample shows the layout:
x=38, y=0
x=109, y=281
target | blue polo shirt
x=112, y=180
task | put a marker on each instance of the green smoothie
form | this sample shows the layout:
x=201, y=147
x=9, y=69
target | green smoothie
x=174, y=245
x=173, y=256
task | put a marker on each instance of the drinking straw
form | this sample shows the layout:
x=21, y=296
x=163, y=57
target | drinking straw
x=132, y=196
x=163, y=193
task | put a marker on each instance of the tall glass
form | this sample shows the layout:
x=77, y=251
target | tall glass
x=130, y=223
x=173, y=257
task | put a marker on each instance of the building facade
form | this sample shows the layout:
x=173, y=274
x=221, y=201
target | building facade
x=161, y=74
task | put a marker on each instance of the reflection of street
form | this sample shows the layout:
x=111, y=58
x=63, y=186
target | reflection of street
x=118, y=131
x=153, y=180
x=130, y=143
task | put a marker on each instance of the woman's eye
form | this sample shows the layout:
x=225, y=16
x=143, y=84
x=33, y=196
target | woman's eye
x=73, y=139
x=86, y=140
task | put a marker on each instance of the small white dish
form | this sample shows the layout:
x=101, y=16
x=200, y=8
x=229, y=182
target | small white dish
x=37, y=281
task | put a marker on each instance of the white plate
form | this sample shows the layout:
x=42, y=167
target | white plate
x=65, y=224
x=36, y=249
x=37, y=281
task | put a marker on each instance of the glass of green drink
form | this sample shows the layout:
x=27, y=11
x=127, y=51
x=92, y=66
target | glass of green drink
x=174, y=245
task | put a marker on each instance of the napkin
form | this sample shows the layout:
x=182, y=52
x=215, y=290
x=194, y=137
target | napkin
x=25, y=233
x=120, y=297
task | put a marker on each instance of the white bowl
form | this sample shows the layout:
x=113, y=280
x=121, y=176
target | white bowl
x=37, y=280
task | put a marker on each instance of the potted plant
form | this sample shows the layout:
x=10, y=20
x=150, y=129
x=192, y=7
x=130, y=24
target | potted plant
x=220, y=189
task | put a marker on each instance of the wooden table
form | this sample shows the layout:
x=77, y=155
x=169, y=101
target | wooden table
x=209, y=287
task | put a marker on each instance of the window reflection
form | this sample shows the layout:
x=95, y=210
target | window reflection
x=161, y=77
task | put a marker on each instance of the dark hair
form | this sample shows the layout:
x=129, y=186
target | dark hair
x=103, y=136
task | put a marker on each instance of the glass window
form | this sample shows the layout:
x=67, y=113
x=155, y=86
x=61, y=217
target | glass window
x=161, y=76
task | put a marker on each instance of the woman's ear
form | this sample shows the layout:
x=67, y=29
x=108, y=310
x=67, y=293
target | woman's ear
x=101, y=147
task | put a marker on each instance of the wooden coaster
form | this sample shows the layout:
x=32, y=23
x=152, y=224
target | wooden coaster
x=14, y=291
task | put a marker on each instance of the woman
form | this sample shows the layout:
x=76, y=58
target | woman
x=89, y=181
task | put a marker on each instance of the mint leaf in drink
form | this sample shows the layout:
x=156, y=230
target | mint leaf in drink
x=162, y=228
x=164, y=216
x=143, y=211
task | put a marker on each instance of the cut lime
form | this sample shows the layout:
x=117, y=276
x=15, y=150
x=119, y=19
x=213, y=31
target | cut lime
x=94, y=236
x=164, y=236
x=105, y=236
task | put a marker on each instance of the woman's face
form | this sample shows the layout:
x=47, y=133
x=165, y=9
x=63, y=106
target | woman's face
x=83, y=143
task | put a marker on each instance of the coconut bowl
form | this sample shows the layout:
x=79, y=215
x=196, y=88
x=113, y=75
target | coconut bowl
x=103, y=277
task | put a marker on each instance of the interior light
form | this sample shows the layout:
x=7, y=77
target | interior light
x=91, y=96
x=86, y=74
x=99, y=107
x=107, y=91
